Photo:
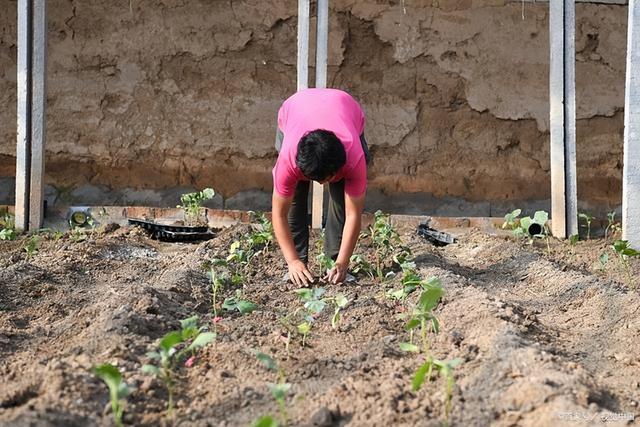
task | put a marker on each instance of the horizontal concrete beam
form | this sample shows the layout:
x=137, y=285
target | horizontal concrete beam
x=619, y=2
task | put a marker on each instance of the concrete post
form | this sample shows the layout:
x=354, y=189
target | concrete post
x=32, y=45
x=562, y=117
x=322, y=42
x=303, y=44
x=631, y=171
x=38, y=109
x=23, y=149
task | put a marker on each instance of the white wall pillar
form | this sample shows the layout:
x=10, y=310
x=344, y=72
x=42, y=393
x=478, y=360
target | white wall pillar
x=322, y=43
x=303, y=44
x=631, y=171
x=564, y=212
x=32, y=53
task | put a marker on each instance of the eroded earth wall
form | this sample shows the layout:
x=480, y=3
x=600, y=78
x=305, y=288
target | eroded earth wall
x=149, y=98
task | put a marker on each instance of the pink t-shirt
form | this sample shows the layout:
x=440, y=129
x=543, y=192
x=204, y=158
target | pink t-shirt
x=328, y=109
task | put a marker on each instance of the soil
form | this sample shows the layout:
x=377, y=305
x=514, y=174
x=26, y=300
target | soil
x=545, y=338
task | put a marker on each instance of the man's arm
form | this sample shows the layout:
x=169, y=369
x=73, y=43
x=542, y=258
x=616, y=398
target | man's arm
x=352, y=224
x=298, y=271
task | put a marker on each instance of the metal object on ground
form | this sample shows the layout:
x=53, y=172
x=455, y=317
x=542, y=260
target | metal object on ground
x=79, y=216
x=438, y=238
x=173, y=233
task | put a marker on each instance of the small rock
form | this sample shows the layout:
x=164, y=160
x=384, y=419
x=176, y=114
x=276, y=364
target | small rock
x=322, y=417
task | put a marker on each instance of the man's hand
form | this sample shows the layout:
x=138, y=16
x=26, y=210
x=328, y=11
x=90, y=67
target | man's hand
x=337, y=274
x=300, y=274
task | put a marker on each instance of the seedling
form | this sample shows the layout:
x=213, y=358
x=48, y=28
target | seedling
x=625, y=252
x=238, y=303
x=31, y=248
x=445, y=368
x=612, y=225
x=265, y=421
x=511, y=220
x=8, y=224
x=411, y=280
x=422, y=315
x=262, y=235
x=278, y=390
x=313, y=305
x=118, y=389
x=171, y=350
x=359, y=265
x=573, y=241
x=603, y=259
x=587, y=219
x=217, y=278
x=192, y=202
x=385, y=241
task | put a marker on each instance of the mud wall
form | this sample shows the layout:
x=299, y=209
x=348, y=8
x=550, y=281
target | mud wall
x=149, y=98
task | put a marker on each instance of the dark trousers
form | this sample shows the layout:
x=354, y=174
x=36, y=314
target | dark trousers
x=299, y=220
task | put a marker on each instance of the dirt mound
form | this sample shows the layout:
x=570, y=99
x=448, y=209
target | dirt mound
x=546, y=338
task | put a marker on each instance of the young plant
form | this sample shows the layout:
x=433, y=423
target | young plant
x=278, y=390
x=238, y=303
x=8, y=224
x=359, y=265
x=217, y=278
x=313, y=304
x=603, y=259
x=588, y=219
x=385, y=241
x=411, y=280
x=625, y=252
x=511, y=220
x=445, y=368
x=118, y=389
x=612, y=225
x=238, y=260
x=31, y=248
x=422, y=316
x=192, y=202
x=262, y=231
x=172, y=348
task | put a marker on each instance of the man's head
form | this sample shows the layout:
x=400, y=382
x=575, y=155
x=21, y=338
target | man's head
x=320, y=155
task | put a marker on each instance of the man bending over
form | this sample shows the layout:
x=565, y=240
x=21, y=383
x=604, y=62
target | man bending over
x=319, y=138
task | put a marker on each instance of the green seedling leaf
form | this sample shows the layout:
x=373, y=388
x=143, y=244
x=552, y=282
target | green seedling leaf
x=405, y=346
x=118, y=390
x=243, y=306
x=170, y=340
x=305, y=294
x=419, y=376
x=201, y=340
x=604, y=258
x=436, y=324
x=431, y=282
x=315, y=306
x=151, y=370
x=189, y=323
x=412, y=324
x=266, y=360
x=540, y=217
x=430, y=298
x=573, y=239
x=341, y=301
x=279, y=391
x=304, y=328
x=265, y=421
x=335, y=320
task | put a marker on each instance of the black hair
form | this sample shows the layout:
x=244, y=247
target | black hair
x=320, y=154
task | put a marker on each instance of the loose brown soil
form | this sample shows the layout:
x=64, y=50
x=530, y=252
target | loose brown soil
x=545, y=339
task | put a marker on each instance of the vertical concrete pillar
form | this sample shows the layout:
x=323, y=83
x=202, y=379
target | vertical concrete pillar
x=322, y=42
x=631, y=171
x=38, y=114
x=23, y=149
x=564, y=213
x=303, y=44
x=32, y=52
